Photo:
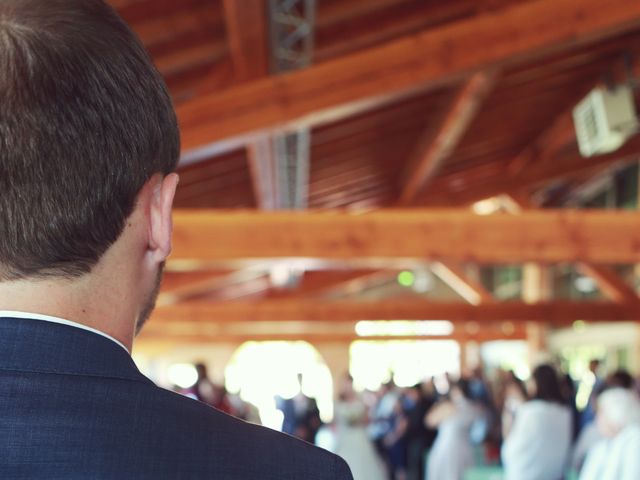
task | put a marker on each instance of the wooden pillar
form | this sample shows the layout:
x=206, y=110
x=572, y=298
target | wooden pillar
x=637, y=268
x=470, y=356
x=536, y=287
x=336, y=357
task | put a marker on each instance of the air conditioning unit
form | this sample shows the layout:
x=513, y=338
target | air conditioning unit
x=604, y=120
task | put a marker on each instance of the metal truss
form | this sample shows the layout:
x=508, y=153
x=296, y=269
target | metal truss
x=292, y=28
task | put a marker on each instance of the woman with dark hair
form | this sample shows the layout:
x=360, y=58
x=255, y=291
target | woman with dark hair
x=452, y=452
x=515, y=394
x=537, y=446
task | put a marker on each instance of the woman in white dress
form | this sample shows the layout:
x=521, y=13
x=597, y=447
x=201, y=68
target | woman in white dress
x=538, y=445
x=351, y=440
x=452, y=452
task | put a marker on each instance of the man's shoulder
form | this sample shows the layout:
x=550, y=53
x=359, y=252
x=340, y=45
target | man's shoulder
x=58, y=425
x=250, y=447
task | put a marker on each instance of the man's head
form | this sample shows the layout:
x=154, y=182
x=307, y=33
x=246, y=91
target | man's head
x=86, y=128
x=617, y=409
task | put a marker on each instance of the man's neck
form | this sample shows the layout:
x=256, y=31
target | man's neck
x=72, y=300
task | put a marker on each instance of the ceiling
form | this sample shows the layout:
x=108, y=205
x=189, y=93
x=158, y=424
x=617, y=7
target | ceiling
x=481, y=116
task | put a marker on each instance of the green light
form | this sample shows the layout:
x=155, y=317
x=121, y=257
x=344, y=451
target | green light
x=406, y=279
x=579, y=325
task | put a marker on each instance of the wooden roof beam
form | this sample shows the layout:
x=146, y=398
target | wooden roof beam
x=431, y=151
x=203, y=286
x=150, y=334
x=460, y=282
x=605, y=237
x=609, y=282
x=360, y=283
x=317, y=284
x=357, y=82
x=310, y=310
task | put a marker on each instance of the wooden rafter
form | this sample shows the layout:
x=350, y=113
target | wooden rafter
x=542, y=236
x=341, y=87
x=310, y=310
x=317, y=284
x=175, y=281
x=609, y=282
x=246, y=22
x=459, y=281
x=465, y=189
x=203, y=286
x=252, y=288
x=561, y=131
x=431, y=151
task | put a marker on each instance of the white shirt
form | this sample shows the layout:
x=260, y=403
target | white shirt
x=62, y=321
x=538, y=446
x=614, y=458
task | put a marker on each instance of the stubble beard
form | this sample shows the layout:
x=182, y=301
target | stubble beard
x=150, y=301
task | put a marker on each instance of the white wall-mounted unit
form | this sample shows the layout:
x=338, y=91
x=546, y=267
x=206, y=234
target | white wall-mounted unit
x=605, y=120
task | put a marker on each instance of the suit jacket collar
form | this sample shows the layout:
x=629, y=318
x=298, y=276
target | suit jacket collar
x=45, y=347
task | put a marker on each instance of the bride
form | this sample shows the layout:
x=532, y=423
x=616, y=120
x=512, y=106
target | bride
x=351, y=440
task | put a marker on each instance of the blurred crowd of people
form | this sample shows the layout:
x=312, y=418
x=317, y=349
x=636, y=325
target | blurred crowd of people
x=531, y=429
x=216, y=395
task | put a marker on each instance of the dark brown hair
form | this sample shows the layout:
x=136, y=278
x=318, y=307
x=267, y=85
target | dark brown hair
x=85, y=121
x=547, y=384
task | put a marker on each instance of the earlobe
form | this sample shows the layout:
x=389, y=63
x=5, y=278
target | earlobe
x=160, y=211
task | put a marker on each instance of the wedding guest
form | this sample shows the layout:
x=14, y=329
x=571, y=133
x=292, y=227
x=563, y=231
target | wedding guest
x=537, y=445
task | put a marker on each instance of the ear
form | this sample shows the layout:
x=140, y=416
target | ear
x=160, y=224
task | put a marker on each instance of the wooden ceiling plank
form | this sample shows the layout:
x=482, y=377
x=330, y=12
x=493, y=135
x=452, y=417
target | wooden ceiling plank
x=338, y=11
x=136, y=11
x=421, y=61
x=455, y=276
x=559, y=133
x=310, y=310
x=431, y=151
x=358, y=33
x=167, y=28
x=194, y=56
x=606, y=237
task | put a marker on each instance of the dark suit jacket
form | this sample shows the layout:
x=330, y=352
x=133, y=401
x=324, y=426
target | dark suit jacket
x=74, y=405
